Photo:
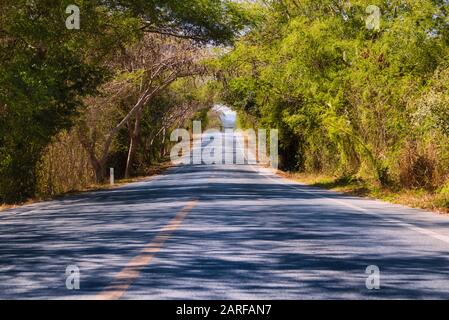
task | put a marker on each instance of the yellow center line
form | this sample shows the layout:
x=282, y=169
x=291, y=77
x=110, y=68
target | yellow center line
x=124, y=279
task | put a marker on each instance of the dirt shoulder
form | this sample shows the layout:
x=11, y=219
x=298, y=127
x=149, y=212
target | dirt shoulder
x=153, y=171
x=434, y=201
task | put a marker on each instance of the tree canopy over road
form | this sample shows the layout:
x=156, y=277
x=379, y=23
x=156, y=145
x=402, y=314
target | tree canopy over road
x=357, y=88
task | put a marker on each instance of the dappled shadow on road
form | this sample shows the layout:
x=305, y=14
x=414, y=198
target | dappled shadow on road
x=291, y=250
x=249, y=237
x=289, y=244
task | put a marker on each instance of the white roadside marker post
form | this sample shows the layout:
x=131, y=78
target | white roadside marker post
x=111, y=178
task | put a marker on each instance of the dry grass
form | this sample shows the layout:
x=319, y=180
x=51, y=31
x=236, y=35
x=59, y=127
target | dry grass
x=416, y=198
x=152, y=172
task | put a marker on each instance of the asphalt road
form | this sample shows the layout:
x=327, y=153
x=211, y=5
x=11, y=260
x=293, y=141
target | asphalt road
x=222, y=232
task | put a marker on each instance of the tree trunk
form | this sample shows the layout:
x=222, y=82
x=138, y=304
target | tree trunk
x=134, y=140
x=97, y=165
x=100, y=172
x=163, y=143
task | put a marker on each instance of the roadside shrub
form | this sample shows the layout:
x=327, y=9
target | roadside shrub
x=416, y=168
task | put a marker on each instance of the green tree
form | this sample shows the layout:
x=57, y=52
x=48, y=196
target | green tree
x=47, y=69
x=340, y=93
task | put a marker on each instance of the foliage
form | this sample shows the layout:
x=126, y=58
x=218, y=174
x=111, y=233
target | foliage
x=47, y=71
x=348, y=100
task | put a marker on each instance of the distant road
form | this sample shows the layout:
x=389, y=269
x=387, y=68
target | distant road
x=222, y=232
